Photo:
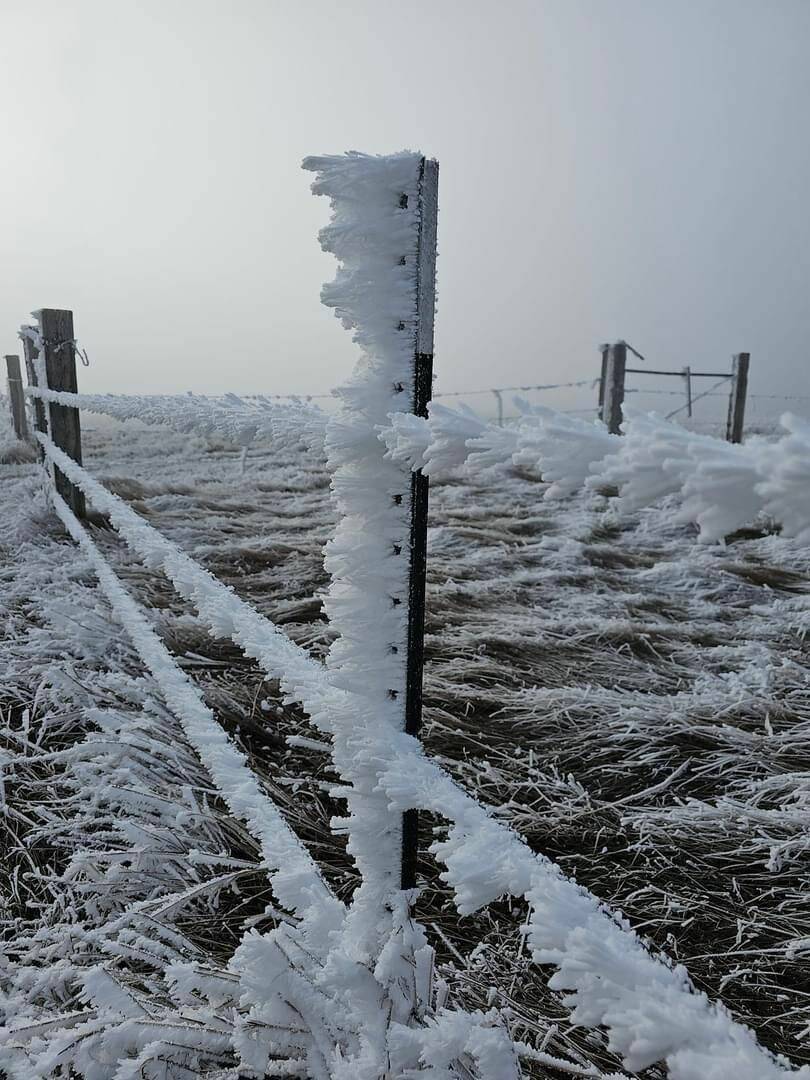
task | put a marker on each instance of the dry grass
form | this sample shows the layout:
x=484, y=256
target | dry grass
x=17, y=453
x=636, y=705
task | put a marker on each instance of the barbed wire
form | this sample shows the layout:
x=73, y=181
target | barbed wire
x=593, y=382
x=690, y=402
x=279, y=397
x=782, y=397
x=508, y=389
x=679, y=393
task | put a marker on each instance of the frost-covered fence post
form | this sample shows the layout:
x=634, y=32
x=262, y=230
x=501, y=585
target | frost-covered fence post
x=16, y=397
x=59, y=363
x=614, y=387
x=736, y=401
x=31, y=354
x=382, y=231
x=422, y=390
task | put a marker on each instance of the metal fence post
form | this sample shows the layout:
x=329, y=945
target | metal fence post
x=736, y=401
x=614, y=386
x=16, y=397
x=422, y=390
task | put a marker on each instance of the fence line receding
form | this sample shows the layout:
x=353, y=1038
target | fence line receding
x=366, y=699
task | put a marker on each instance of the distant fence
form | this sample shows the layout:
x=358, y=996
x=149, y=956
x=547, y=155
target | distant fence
x=498, y=392
x=243, y=417
x=613, y=979
x=612, y=388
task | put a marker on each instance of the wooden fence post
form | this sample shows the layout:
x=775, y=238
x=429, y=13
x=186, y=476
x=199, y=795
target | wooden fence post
x=687, y=374
x=31, y=354
x=499, y=403
x=614, y=386
x=603, y=349
x=59, y=349
x=736, y=401
x=422, y=391
x=16, y=397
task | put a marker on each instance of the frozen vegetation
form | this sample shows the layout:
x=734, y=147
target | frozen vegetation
x=722, y=487
x=634, y=700
x=202, y=761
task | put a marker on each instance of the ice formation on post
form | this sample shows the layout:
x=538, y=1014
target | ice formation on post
x=374, y=232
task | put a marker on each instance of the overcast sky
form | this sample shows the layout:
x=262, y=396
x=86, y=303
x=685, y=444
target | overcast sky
x=633, y=169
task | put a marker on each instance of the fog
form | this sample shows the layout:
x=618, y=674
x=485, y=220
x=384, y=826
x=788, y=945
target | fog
x=636, y=169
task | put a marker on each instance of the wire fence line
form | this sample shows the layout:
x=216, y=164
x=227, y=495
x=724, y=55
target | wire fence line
x=115, y=404
x=242, y=420
x=236, y=419
x=407, y=776
x=372, y=949
x=679, y=393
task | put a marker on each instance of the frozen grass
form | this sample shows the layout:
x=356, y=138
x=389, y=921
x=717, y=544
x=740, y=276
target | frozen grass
x=636, y=703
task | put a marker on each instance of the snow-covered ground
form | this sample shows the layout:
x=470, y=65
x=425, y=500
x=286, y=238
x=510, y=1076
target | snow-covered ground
x=197, y=882
x=635, y=702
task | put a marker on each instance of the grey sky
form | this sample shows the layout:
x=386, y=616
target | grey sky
x=609, y=168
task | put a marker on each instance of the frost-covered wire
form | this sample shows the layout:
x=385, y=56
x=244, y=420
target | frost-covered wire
x=304, y=679
x=614, y=981
x=235, y=419
x=295, y=877
x=720, y=486
x=563, y=448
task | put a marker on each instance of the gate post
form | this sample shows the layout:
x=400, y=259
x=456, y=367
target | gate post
x=603, y=349
x=736, y=401
x=614, y=386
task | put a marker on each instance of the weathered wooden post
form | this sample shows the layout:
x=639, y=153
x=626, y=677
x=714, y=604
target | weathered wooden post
x=603, y=349
x=31, y=354
x=422, y=391
x=16, y=397
x=499, y=405
x=614, y=387
x=736, y=401
x=64, y=425
x=687, y=374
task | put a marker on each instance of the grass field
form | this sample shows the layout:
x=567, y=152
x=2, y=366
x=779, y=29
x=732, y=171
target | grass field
x=635, y=704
